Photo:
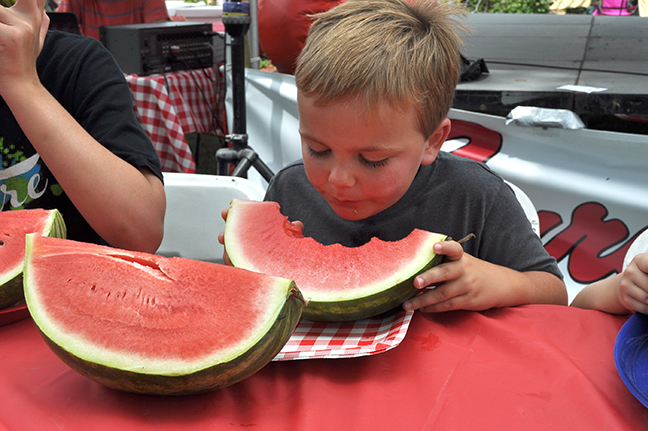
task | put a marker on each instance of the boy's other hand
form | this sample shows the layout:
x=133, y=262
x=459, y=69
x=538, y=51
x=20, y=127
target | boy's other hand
x=221, y=239
x=456, y=284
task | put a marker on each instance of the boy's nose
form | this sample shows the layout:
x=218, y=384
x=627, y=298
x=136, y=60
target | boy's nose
x=341, y=176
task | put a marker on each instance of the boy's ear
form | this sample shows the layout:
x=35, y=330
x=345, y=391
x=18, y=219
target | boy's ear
x=435, y=141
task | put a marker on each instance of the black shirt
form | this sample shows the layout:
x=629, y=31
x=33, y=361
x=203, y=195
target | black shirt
x=83, y=76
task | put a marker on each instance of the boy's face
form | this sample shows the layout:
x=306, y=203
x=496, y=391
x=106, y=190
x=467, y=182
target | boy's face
x=363, y=164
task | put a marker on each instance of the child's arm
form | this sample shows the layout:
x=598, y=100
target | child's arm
x=464, y=282
x=622, y=294
x=124, y=205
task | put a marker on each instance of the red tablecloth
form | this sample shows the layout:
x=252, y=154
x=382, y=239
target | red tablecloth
x=171, y=105
x=525, y=368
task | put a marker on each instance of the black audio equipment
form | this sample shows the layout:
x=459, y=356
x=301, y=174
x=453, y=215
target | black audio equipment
x=144, y=49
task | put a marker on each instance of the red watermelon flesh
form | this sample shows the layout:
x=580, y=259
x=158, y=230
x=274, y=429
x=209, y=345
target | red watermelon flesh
x=340, y=283
x=149, y=315
x=14, y=225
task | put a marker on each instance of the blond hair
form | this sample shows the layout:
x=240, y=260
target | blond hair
x=400, y=51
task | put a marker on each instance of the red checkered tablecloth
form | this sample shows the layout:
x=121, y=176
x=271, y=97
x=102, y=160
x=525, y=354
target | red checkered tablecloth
x=171, y=105
x=321, y=340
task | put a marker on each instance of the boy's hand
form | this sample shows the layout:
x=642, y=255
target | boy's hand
x=221, y=239
x=22, y=33
x=633, y=288
x=460, y=283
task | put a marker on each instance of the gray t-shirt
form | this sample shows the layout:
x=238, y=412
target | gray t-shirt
x=453, y=196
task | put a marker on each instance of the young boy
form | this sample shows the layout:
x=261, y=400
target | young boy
x=624, y=293
x=375, y=82
x=69, y=138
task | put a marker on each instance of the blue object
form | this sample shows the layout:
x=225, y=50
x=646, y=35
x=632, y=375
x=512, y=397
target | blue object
x=236, y=8
x=631, y=355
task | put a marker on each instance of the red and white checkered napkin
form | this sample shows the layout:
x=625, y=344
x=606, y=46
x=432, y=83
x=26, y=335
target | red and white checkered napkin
x=171, y=105
x=327, y=340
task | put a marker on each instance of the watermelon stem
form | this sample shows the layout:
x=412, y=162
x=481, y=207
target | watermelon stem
x=466, y=238
x=296, y=293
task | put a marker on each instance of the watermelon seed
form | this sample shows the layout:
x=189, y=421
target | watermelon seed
x=1, y=242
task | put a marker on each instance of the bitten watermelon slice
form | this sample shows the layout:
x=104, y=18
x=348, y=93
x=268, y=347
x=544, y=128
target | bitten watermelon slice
x=339, y=283
x=14, y=225
x=148, y=324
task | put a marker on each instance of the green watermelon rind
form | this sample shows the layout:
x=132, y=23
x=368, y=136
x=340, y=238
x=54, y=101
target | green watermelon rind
x=76, y=344
x=211, y=377
x=421, y=261
x=11, y=280
x=367, y=306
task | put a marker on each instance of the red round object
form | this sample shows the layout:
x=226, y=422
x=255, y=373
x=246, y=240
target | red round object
x=283, y=26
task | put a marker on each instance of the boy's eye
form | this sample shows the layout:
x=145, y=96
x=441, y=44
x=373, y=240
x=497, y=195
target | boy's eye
x=364, y=161
x=373, y=164
x=314, y=153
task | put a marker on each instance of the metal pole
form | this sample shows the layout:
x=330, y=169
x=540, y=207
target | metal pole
x=253, y=35
x=236, y=18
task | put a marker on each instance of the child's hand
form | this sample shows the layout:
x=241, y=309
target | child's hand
x=22, y=33
x=633, y=288
x=221, y=239
x=457, y=281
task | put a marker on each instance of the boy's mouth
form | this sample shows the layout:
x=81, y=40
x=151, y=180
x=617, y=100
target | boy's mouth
x=344, y=208
x=342, y=202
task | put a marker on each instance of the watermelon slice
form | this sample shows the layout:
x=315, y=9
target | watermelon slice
x=148, y=324
x=14, y=225
x=339, y=283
